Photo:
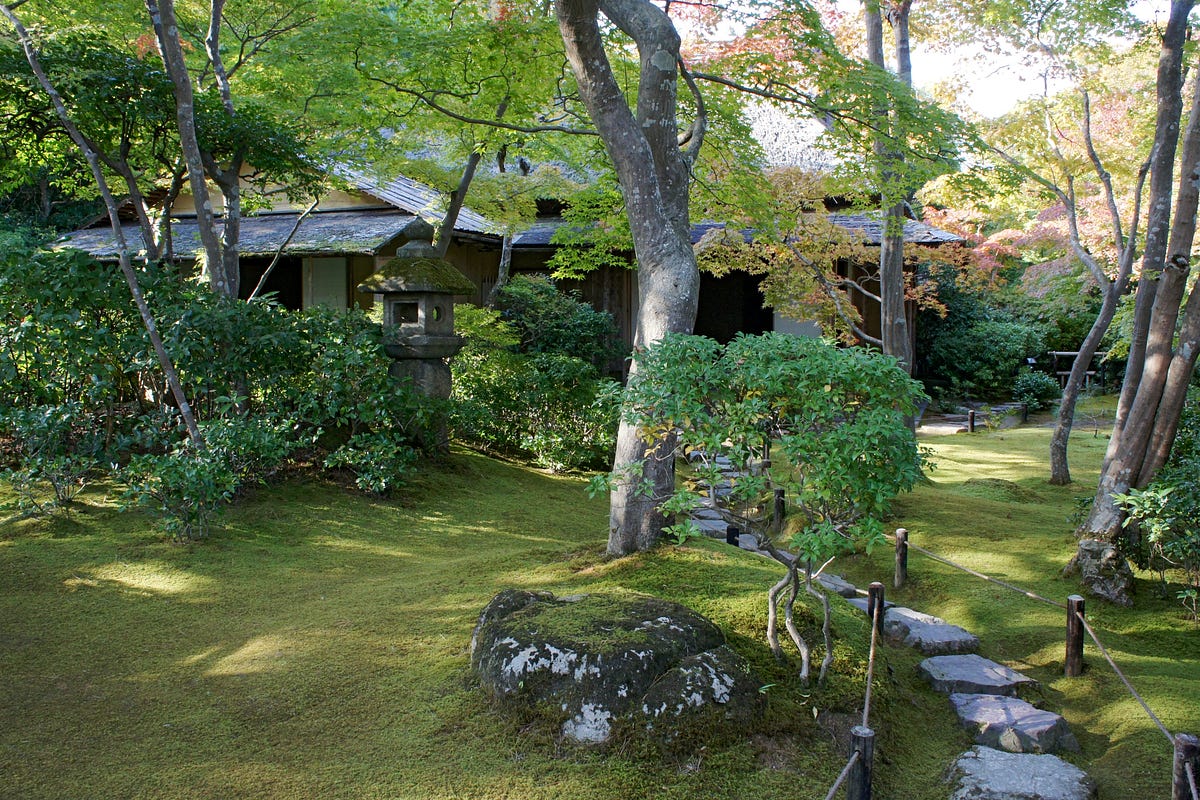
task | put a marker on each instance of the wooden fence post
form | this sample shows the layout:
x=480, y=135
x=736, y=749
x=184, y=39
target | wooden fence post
x=875, y=607
x=971, y=421
x=901, y=557
x=1074, y=665
x=733, y=535
x=858, y=782
x=778, y=511
x=1187, y=751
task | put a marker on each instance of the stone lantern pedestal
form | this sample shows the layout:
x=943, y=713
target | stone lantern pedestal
x=416, y=290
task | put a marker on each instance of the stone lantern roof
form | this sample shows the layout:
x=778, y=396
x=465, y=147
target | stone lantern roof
x=417, y=268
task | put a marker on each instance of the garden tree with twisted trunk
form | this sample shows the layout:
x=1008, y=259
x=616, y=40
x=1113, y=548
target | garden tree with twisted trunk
x=840, y=447
x=653, y=173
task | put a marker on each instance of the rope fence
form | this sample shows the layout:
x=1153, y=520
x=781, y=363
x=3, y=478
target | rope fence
x=876, y=621
x=948, y=562
x=1186, y=746
x=1124, y=680
x=842, y=778
x=856, y=775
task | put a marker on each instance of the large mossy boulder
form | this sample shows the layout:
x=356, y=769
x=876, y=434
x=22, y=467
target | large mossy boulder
x=595, y=662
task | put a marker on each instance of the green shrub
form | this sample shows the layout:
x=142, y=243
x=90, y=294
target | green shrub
x=185, y=488
x=548, y=320
x=56, y=449
x=85, y=388
x=1036, y=390
x=551, y=408
x=182, y=490
x=380, y=462
x=982, y=358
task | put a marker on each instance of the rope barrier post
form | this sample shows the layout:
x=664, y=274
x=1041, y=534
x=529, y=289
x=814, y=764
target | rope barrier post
x=901, y=557
x=733, y=535
x=1074, y=665
x=778, y=511
x=875, y=606
x=970, y=422
x=1187, y=751
x=858, y=782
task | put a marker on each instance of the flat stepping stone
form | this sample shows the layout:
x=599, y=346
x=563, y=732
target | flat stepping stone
x=705, y=513
x=927, y=633
x=1007, y=723
x=986, y=774
x=973, y=674
x=839, y=586
x=861, y=603
x=711, y=527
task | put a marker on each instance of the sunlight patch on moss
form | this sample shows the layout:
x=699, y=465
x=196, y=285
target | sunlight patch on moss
x=358, y=545
x=261, y=654
x=147, y=579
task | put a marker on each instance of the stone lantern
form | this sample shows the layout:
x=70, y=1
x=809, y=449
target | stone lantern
x=416, y=290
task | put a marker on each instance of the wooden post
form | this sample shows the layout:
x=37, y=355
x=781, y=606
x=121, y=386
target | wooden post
x=901, y=557
x=858, y=782
x=971, y=421
x=1187, y=751
x=779, y=511
x=733, y=535
x=1074, y=666
x=875, y=605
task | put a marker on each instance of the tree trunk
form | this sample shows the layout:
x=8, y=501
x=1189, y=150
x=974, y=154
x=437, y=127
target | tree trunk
x=893, y=318
x=457, y=198
x=1060, y=471
x=228, y=180
x=1160, y=290
x=166, y=30
x=502, y=271
x=654, y=177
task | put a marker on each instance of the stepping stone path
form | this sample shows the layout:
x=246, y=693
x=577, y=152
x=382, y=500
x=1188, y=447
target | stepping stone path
x=1014, y=739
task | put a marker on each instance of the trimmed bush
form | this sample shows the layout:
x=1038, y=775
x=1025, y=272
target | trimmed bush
x=1036, y=390
x=551, y=408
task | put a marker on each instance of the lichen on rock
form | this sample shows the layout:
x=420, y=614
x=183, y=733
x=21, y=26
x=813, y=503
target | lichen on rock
x=595, y=661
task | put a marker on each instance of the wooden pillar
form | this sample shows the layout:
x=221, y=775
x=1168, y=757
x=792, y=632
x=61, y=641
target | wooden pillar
x=1187, y=751
x=858, y=782
x=875, y=605
x=901, y=558
x=971, y=421
x=1074, y=664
